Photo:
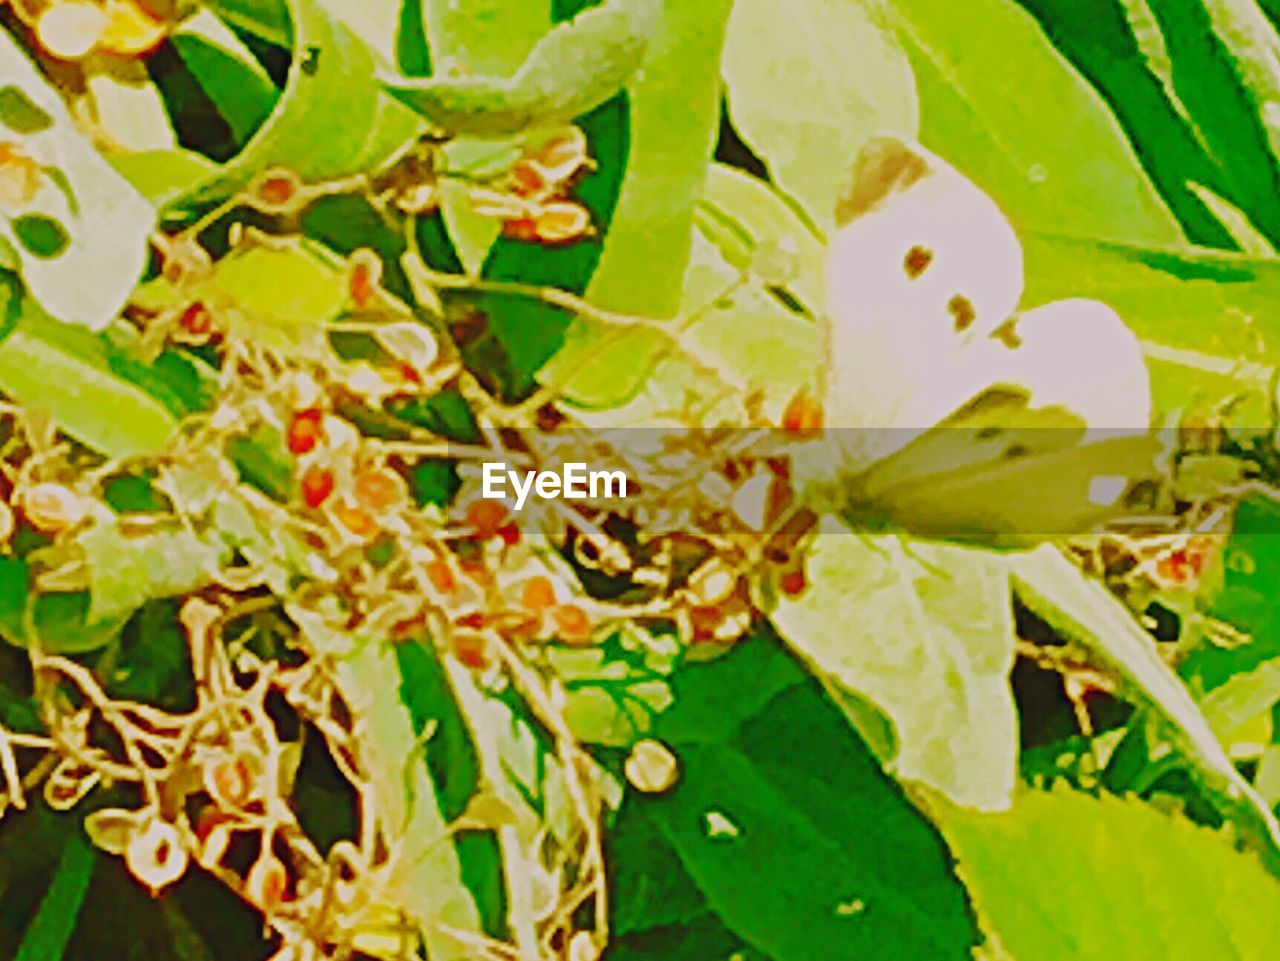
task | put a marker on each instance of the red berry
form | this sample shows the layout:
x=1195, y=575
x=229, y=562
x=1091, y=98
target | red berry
x=522, y=228
x=441, y=576
x=358, y=521
x=364, y=275
x=573, y=625
x=793, y=583
x=317, y=485
x=196, y=320
x=527, y=179
x=380, y=489
x=538, y=595
x=277, y=189
x=486, y=517
x=469, y=649
x=802, y=414
x=305, y=431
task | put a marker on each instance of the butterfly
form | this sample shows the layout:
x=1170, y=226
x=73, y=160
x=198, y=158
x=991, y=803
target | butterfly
x=948, y=413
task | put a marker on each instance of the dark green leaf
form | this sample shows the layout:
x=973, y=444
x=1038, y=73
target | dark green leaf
x=41, y=235
x=51, y=928
x=783, y=824
x=413, y=54
x=1246, y=599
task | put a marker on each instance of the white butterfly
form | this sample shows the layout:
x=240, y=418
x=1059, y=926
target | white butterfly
x=947, y=413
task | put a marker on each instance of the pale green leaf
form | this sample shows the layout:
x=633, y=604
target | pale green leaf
x=576, y=67
x=131, y=113
x=127, y=571
x=161, y=175
x=470, y=37
x=750, y=220
x=65, y=372
x=675, y=105
x=808, y=82
x=1242, y=698
x=427, y=879
x=751, y=338
x=925, y=633
x=486, y=37
x=373, y=21
x=1065, y=876
x=280, y=295
x=1267, y=782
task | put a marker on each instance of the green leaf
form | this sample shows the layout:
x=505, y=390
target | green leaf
x=131, y=112
x=807, y=95
x=269, y=21
x=413, y=53
x=431, y=886
x=162, y=175
x=375, y=23
x=749, y=219
x=1012, y=115
x=20, y=113
x=82, y=238
x=782, y=827
x=1189, y=307
x=1244, y=697
x=1246, y=599
x=68, y=373
x=751, y=336
x=278, y=295
x=1066, y=876
x=40, y=235
x=50, y=930
x=522, y=772
x=675, y=110
x=60, y=621
x=1121, y=48
x=1086, y=613
x=925, y=633
x=571, y=71
x=453, y=763
x=330, y=121
x=237, y=86
x=483, y=37
x=126, y=572
x=525, y=333
x=1223, y=54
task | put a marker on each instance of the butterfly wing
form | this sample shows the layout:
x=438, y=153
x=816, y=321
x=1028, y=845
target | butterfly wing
x=1051, y=449
x=923, y=267
x=1024, y=498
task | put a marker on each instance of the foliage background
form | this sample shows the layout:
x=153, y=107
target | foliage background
x=819, y=812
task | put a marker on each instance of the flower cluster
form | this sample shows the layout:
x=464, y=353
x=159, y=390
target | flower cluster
x=533, y=202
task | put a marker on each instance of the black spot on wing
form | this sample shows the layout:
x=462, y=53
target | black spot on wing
x=1007, y=334
x=962, y=312
x=917, y=261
